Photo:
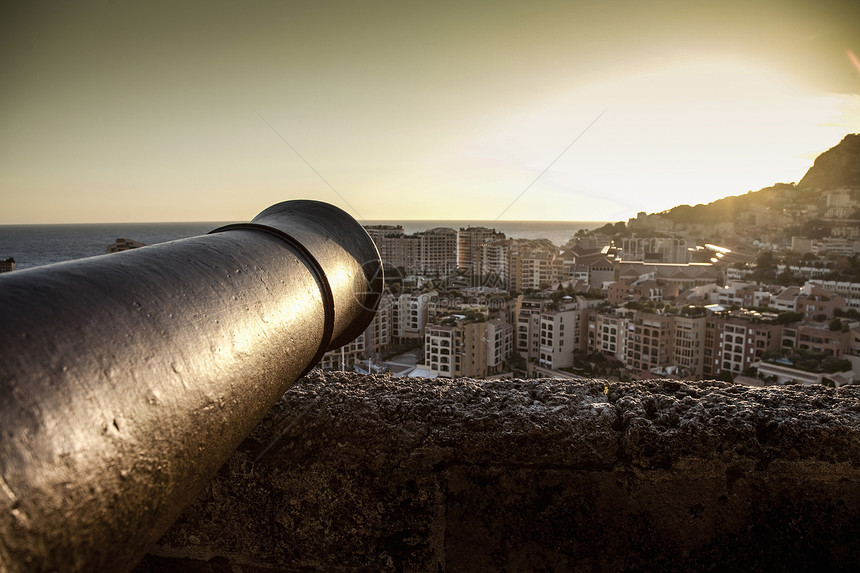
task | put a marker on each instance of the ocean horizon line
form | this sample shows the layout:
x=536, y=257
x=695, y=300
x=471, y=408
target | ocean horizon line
x=362, y=222
x=35, y=244
x=497, y=220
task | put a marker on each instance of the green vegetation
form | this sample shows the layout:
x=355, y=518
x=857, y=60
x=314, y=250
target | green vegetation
x=467, y=316
x=728, y=208
x=725, y=376
x=647, y=306
x=690, y=311
x=788, y=317
x=852, y=313
x=561, y=292
x=594, y=364
x=515, y=361
x=618, y=229
x=808, y=360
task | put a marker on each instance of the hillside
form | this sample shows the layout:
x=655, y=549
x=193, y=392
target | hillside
x=728, y=208
x=838, y=167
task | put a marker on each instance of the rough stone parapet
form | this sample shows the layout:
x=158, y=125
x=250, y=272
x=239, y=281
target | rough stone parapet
x=372, y=473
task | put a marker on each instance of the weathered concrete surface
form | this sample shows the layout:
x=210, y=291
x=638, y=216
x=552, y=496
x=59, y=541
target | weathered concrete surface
x=357, y=473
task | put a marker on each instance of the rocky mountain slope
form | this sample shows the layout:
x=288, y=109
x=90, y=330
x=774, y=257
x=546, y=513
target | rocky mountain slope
x=838, y=167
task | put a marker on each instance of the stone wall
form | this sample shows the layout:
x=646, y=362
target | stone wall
x=363, y=473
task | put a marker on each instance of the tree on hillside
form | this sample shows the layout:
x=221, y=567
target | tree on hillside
x=765, y=270
x=787, y=278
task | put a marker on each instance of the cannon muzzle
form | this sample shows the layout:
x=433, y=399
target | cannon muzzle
x=126, y=380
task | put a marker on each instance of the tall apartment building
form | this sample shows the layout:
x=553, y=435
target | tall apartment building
x=464, y=345
x=540, y=267
x=650, y=341
x=528, y=313
x=515, y=268
x=438, y=252
x=388, y=240
x=817, y=338
x=532, y=262
x=733, y=348
x=562, y=331
x=378, y=333
x=647, y=341
x=734, y=343
x=395, y=248
x=471, y=241
x=606, y=334
x=379, y=232
x=441, y=344
x=430, y=253
x=495, y=264
x=403, y=252
x=473, y=354
x=409, y=314
x=656, y=249
x=689, y=345
x=500, y=344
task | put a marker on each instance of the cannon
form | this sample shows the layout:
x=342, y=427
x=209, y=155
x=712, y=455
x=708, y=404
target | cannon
x=126, y=380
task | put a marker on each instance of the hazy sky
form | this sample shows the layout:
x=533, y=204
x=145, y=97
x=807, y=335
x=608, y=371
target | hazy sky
x=182, y=111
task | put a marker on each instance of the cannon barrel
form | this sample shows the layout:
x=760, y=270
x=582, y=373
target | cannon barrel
x=126, y=380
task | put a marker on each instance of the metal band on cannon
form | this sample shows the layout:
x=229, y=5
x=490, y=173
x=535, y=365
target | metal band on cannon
x=313, y=266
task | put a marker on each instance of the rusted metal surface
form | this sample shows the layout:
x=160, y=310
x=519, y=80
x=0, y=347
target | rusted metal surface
x=127, y=379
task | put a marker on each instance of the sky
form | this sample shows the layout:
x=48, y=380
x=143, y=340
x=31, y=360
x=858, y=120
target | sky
x=117, y=111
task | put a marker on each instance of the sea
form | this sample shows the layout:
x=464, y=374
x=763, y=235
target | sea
x=37, y=245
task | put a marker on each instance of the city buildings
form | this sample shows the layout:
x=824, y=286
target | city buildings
x=500, y=346
x=689, y=344
x=607, y=333
x=472, y=242
x=735, y=341
x=567, y=310
x=656, y=249
x=409, y=314
x=431, y=253
x=650, y=341
x=467, y=344
x=437, y=254
x=562, y=331
x=528, y=320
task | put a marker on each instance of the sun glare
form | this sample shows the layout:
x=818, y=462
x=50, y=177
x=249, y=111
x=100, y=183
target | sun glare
x=685, y=134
